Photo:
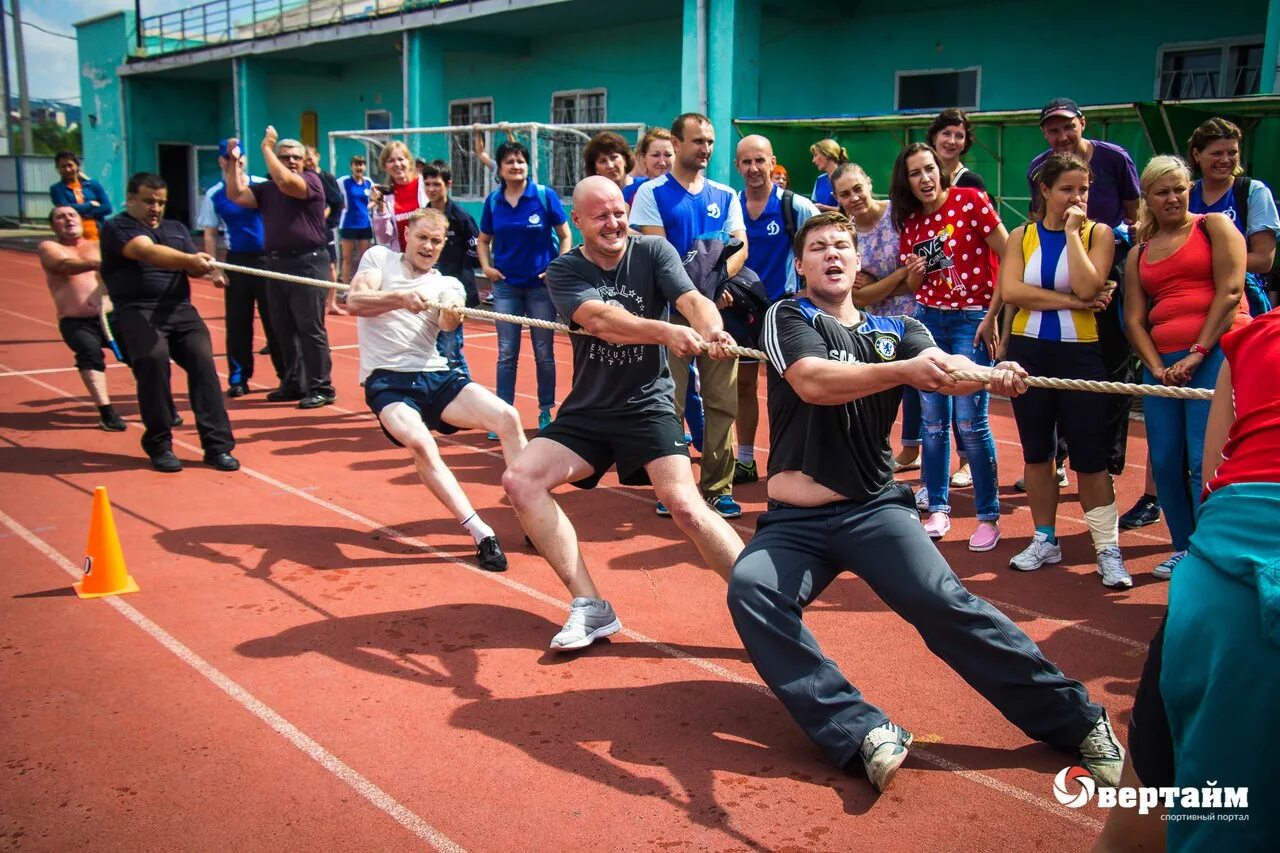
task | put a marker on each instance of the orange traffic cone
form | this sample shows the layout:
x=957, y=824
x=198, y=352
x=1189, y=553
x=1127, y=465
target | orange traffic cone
x=104, y=571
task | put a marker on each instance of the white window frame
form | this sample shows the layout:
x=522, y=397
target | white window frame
x=1223, y=46
x=920, y=72
x=485, y=183
x=563, y=168
x=578, y=93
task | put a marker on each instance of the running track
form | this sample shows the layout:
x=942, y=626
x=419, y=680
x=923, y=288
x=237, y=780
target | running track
x=315, y=662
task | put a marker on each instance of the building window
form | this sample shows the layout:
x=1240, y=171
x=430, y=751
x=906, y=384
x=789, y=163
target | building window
x=562, y=167
x=471, y=180
x=1211, y=70
x=373, y=120
x=937, y=89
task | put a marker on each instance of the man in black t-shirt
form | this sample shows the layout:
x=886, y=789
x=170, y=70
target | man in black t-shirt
x=145, y=262
x=835, y=381
x=620, y=411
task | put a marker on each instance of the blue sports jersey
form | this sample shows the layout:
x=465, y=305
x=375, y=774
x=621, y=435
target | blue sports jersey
x=523, y=238
x=629, y=191
x=664, y=203
x=823, y=193
x=355, y=213
x=242, y=225
x=769, y=250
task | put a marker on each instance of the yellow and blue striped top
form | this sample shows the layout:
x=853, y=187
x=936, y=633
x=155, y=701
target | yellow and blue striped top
x=1044, y=254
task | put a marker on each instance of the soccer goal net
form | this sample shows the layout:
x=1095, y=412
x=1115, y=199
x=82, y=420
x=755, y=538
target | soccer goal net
x=555, y=151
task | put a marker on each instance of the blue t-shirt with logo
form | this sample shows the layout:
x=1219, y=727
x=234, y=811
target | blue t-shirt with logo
x=355, y=213
x=769, y=248
x=523, y=239
x=686, y=216
x=242, y=225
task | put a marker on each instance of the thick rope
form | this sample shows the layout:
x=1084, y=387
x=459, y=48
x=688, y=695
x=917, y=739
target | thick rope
x=1129, y=388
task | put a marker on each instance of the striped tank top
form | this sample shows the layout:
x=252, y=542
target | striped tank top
x=1044, y=254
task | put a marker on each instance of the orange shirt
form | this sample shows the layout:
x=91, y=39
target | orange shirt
x=90, y=225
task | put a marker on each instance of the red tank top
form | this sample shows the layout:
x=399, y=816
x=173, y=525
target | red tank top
x=1182, y=289
x=1252, y=451
x=408, y=199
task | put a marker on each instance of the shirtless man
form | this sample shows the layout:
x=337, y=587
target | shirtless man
x=70, y=265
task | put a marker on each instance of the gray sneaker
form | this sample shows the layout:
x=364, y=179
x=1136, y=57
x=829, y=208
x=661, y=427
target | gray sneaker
x=588, y=621
x=883, y=750
x=1112, y=569
x=1101, y=753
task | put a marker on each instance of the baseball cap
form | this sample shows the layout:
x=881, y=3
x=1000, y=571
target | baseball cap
x=1060, y=107
x=223, y=150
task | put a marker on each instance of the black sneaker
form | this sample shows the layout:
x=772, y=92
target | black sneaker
x=489, y=555
x=112, y=423
x=176, y=420
x=238, y=389
x=222, y=461
x=283, y=395
x=316, y=401
x=166, y=463
x=265, y=351
x=745, y=472
x=1145, y=511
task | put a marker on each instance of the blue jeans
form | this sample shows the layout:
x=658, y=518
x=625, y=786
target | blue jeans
x=532, y=302
x=953, y=332
x=449, y=345
x=1175, y=438
x=912, y=431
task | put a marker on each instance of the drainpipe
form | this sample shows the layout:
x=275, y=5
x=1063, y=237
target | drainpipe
x=702, y=56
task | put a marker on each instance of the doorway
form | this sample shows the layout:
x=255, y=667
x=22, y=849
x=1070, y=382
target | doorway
x=175, y=161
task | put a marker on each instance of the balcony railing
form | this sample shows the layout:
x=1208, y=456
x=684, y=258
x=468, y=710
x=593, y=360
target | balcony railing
x=227, y=21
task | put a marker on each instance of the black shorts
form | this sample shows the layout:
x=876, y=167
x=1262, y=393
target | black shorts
x=355, y=233
x=87, y=340
x=606, y=439
x=430, y=393
x=1081, y=416
x=332, y=249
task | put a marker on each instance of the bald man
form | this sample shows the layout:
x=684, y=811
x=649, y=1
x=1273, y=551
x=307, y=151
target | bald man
x=772, y=215
x=617, y=286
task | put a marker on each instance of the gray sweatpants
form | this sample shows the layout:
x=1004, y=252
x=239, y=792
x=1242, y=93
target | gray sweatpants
x=797, y=552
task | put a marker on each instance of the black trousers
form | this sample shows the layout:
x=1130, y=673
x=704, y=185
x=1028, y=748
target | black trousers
x=242, y=294
x=796, y=553
x=152, y=337
x=297, y=314
x=1118, y=363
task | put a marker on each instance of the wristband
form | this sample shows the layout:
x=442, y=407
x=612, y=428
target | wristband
x=1196, y=348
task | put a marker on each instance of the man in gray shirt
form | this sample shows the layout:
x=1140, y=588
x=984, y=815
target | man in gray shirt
x=620, y=411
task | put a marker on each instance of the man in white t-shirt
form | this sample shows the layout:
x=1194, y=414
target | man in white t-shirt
x=408, y=384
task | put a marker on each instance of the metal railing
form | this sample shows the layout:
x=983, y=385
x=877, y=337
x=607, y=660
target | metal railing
x=1183, y=85
x=227, y=21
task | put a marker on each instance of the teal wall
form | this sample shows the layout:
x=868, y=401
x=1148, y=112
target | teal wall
x=1095, y=59
x=101, y=46
x=164, y=110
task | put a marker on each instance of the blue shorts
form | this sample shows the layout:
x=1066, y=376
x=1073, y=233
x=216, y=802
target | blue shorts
x=429, y=393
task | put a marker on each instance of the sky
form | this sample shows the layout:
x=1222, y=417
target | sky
x=51, y=61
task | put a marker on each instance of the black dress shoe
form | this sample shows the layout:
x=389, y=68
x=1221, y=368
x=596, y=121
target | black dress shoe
x=283, y=395
x=489, y=555
x=166, y=462
x=222, y=461
x=239, y=389
x=112, y=423
x=315, y=401
x=176, y=420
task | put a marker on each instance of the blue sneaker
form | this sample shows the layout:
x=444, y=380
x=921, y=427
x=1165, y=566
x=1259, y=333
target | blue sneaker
x=544, y=419
x=725, y=505
x=661, y=509
x=493, y=436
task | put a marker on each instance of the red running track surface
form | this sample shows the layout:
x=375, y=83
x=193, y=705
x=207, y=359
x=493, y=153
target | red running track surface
x=314, y=660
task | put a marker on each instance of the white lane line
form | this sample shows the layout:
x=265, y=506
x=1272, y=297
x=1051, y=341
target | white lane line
x=300, y=739
x=49, y=370
x=560, y=606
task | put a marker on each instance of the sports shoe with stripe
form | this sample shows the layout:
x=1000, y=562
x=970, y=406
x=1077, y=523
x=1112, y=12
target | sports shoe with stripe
x=1112, y=569
x=589, y=620
x=1164, y=571
x=1037, y=554
x=883, y=750
x=1101, y=753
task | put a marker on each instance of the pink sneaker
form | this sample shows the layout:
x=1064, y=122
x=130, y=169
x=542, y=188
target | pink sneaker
x=986, y=537
x=937, y=525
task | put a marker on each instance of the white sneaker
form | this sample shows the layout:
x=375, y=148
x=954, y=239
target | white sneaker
x=922, y=499
x=1112, y=569
x=1037, y=554
x=883, y=750
x=588, y=621
x=1164, y=571
x=963, y=478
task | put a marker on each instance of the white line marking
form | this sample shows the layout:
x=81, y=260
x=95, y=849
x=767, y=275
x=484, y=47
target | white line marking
x=49, y=370
x=364, y=787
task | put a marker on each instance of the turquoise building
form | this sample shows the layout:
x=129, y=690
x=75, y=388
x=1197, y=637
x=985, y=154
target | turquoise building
x=158, y=95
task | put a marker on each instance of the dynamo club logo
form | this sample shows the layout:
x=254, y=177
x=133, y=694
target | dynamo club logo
x=1074, y=787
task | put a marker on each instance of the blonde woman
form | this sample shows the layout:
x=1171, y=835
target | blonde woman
x=390, y=206
x=827, y=156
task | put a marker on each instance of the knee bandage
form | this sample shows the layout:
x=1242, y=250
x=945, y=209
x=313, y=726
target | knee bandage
x=1104, y=526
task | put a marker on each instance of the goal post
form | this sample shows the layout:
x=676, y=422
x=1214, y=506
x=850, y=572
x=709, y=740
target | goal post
x=555, y=150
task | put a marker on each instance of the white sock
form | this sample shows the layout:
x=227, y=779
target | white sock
x=746, y=455
x=1104, y=526
x=477, y=528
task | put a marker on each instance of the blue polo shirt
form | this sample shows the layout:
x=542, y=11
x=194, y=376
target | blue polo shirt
x=769, y=248
x=242, y=225
x=629, y=191
x=686, y=216
x=523, y=239
x=823, y=192
x=355, y=213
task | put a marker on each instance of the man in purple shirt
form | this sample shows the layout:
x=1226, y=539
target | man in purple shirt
x=1113, y=199
x=292, y=207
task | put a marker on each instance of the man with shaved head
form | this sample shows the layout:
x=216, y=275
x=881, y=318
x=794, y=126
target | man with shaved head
x=621, y=410
x=772, y=215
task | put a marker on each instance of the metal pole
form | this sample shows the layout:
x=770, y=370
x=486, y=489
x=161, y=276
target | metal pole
x=137, y=25
x=4, y=71
x=24, y=102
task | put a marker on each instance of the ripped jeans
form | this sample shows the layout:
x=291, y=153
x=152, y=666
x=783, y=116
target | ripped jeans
x=953, y=331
